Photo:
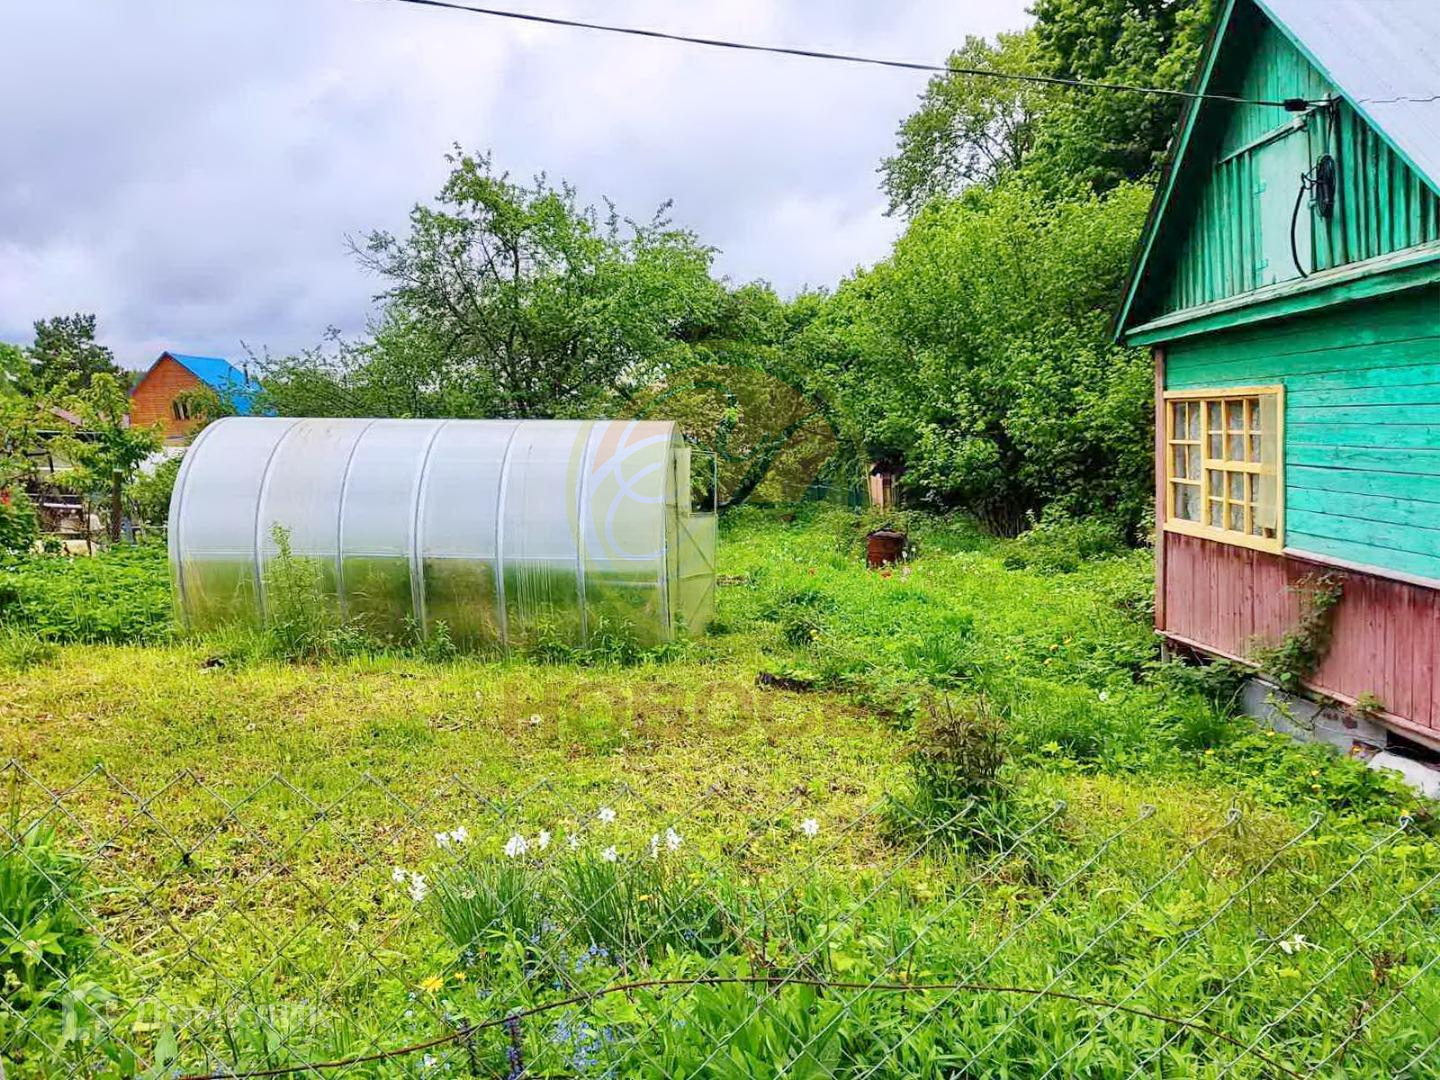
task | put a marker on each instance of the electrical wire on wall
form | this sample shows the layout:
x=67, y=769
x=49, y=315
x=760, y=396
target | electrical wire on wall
x=1321, y=182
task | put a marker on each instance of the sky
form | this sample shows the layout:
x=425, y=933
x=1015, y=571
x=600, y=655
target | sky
x=190, y=171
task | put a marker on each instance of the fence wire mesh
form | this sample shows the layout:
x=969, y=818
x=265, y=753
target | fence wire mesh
x=196, y=929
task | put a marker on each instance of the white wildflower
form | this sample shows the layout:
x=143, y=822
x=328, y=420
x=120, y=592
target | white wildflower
x=610, y=854
x=516, y=846
x=810, y=827
x=442, y=839
x=606, y=815
x=398, y=875
x=573, y=841
x=418, y=888
x=672, y=840
x=1290, y=946
x=535, y=719
x=543, y=840
x=428, y=1061
x=1104, y=695
x=460, y=834
x=655, y=846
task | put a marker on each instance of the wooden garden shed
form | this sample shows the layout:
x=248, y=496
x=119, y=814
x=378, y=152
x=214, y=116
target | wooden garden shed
x=1288, y=283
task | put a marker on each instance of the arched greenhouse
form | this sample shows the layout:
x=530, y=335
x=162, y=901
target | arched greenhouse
x=510, y=533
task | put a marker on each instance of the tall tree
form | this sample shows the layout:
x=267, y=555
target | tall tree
x=509, y=299
x=968, y=129
x=1103, y=138
x=978, y=355
x=106, y=450
x=15, y=373
x=66, y=354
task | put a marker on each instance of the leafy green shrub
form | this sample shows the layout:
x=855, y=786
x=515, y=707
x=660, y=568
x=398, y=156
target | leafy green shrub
x=1061, y=545
x=956, y=788
x=44, y=916
x=1218, y=682
x=55, y=1010
x=149, y=492
x=19, y=525
x=119, y=595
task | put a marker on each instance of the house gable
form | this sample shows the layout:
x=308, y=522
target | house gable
x=153, y=396
x=1233, y=223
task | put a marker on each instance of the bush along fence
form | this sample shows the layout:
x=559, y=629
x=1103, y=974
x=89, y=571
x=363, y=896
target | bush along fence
x=367, y=929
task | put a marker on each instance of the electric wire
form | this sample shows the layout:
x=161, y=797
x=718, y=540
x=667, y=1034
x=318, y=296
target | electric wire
x=1289, y=104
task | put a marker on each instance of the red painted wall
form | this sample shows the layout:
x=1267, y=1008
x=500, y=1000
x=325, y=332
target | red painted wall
x=151, y=398
x=1224, y=598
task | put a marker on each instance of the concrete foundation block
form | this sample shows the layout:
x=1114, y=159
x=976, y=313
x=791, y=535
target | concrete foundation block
x=1423, y=778
x=1308, y=721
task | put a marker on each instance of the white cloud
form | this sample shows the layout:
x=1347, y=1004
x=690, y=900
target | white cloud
x=190, y=172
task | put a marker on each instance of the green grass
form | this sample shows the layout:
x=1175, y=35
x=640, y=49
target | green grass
x=242, y=821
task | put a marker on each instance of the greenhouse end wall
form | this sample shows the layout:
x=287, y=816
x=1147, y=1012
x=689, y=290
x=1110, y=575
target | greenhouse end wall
x=512, y=534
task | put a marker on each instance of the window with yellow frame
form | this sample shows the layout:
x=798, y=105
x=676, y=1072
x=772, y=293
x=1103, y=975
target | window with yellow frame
x=1222, y=465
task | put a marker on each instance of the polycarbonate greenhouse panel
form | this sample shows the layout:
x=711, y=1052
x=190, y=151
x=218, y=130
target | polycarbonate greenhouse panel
x=509, y=533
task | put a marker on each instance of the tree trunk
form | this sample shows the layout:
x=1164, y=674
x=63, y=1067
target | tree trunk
x=115, y=509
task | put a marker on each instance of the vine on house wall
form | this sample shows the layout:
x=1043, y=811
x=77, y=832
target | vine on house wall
x=1297, y=655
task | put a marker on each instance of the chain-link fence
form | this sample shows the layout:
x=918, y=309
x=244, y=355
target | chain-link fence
x=199, y=930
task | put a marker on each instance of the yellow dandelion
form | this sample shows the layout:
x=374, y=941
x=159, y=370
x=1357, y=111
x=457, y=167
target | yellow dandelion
x=645, y=896
x=459, y=976
x=432, y=984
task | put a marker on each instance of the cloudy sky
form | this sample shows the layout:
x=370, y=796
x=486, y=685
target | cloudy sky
x=189, y=170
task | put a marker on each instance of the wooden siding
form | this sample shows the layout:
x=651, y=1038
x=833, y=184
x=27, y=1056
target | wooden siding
x=151, y=399
x=1362, y=422
x=1247, y=162
x=1386, y=632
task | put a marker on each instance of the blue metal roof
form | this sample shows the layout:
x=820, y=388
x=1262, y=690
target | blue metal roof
x=1384, y=57
x=221, y=376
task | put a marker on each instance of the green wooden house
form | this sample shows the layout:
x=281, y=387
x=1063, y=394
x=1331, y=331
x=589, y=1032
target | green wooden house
x=1288, y=282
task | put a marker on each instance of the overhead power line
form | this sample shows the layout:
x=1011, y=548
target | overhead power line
x=1291, y=104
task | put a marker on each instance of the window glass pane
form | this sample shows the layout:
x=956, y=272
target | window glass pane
x=1177, y=419
x=1254, y=448
x=1192, y=428
x=1177, y=462
x=1187, y=502
x=1217, y=514
x=1236, y=487
x=1237, y=517
x=1235, y=415
x=1213, y=419
x=1193, y=462
x=1217, y=447
x=1235, y=448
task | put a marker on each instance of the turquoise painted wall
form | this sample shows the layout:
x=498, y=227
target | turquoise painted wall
x=1362, y=421
x=1228, y=230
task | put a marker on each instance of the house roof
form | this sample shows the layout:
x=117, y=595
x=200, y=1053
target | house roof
x=221, y=376
x=1382, y=58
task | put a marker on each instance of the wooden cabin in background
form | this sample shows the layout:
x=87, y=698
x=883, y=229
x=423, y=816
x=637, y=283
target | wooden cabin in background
x=160, y=392
x=1288, y=283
